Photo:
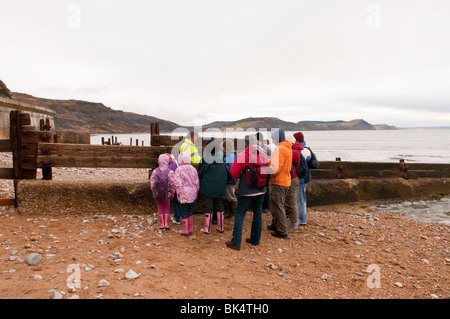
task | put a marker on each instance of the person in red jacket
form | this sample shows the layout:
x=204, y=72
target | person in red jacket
x=291, y=204
x=248, y=194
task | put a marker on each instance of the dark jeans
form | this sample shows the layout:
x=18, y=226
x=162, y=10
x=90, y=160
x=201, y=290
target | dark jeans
x=176, y=208
x=241, y=210
x=266, y=199
x=186, y=210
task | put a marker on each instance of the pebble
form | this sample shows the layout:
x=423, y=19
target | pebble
x=103, y=283
x=57, y=295
x=398, y=284
x=131, y=274
x=33, y=259
x=37, y=277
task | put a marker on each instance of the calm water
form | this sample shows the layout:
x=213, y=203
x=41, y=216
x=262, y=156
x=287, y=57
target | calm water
x=413, y=145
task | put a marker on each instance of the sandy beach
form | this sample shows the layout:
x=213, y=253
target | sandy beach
x=345, y=251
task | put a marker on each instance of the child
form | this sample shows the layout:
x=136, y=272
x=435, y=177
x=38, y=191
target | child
x=173, y=165
x=213, y=176
x=162, y=186
x=229, y=200
x=186, y=186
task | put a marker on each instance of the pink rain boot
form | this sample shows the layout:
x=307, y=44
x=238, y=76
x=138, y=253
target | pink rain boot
x=220, y=222
x=161, y=221
x=208, y=222
x=185, y=230
x=166, y=221
x=190, y=224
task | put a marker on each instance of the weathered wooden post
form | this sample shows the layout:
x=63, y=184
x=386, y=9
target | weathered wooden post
x=339, y=169
x=47, y=172
x=403, y=168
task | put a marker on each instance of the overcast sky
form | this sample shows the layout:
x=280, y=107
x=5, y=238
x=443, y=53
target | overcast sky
x=383, y=61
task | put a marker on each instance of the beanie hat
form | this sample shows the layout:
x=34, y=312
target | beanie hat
x=299, y=137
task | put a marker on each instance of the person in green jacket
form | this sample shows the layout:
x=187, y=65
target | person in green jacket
x=189, y=147
x=213, y=176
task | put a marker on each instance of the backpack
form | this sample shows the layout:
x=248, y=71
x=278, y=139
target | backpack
x=314, y=162
x=303, y=170
x=161, y=189
x=257, y=175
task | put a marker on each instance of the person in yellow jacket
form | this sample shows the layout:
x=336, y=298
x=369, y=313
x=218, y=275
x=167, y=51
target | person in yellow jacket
x=189, y=147
x=280, y=181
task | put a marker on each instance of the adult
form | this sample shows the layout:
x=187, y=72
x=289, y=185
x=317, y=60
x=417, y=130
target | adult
x=230, y=199
x=189, y=147
x=265, y=149
x=292, y=210
x=280, y=181
x=301, y=199
x=247, y=195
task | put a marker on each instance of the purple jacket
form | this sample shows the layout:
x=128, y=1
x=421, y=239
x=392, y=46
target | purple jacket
x=186, y=179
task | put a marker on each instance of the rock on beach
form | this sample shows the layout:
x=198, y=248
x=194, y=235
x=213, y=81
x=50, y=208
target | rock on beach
x=33, y=259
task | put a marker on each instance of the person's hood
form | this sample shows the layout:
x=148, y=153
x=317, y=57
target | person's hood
x=278, y=135
x=163, y=161
x=184, y=158
x=297, y=146
x=286, y=144
x=213, y=158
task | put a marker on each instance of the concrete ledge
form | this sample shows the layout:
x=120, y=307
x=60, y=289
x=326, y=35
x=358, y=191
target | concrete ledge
x=85, y=197
x=340, y=191
x=135, y=197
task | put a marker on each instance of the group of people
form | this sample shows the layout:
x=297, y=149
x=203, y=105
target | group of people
x=267, y=180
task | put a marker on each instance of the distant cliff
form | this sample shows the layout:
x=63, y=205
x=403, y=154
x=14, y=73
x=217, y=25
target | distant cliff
x=273, y=122
x=95, y=118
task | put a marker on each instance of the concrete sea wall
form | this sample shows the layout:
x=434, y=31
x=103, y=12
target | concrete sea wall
x=134, y=197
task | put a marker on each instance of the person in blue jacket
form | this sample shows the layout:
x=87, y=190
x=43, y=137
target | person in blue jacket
x=229, y=199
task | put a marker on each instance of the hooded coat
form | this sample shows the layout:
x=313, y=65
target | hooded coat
x=249, y=155
x=186, y=179
x=163, y=164
x=213, y=175
x=281, y=162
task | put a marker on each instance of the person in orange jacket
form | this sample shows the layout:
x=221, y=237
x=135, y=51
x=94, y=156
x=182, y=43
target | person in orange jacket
x=280, y=181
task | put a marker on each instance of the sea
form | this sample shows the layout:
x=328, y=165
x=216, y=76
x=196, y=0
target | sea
x=411, y=145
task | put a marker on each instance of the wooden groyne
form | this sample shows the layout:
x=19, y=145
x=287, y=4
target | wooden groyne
x=44, y=148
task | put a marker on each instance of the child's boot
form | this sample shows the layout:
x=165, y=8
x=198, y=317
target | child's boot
x=166, y=221
x=220, y=222
x=208, y=222
x=185, y=230
x=190, y=224
x=161, y=221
